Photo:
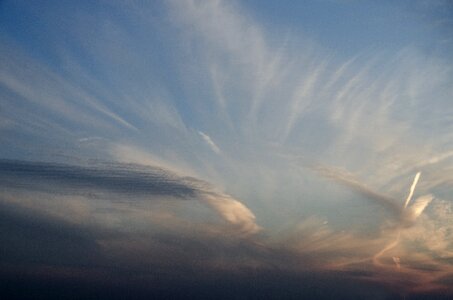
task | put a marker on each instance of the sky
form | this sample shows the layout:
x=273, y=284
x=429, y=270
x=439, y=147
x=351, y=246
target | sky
x=226, y=149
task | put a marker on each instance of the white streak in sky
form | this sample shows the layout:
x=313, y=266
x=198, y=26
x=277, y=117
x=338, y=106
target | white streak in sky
x=302, y=97
x=210, y=142
x=90, y=139
x=417, y=176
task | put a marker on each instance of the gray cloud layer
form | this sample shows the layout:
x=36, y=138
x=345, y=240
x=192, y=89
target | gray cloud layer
x=126, y=180
x=117, y=178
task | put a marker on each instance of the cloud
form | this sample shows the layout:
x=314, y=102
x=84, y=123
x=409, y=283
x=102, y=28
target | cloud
x=124, y=180
x=115, y=178
x=49, y=92
x=411, y=192
x=415, y=210
x=210, y=142
x=33, y=237
x=258, y=92
x=233, y=211
x=407, y=214
x=125, y=153
x=348, y=180
x=89, y=201
x=89, y=139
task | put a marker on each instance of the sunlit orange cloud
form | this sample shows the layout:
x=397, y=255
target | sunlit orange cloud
x=412, y=259
x=410, y=253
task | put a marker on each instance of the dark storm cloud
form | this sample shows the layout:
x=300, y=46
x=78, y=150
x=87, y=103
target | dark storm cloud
x=63, y=261
x=126, y=179
x=27, y=238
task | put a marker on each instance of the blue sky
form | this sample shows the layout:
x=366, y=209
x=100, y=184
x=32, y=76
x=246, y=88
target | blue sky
x=349, y=27
x=287, y=134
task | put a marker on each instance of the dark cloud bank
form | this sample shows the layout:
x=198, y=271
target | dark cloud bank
x=44, y=257
x=117, y=178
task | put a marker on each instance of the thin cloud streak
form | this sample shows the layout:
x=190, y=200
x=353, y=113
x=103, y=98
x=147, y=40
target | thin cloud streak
x=210, y=142
x=411, y=192
x=349, y=181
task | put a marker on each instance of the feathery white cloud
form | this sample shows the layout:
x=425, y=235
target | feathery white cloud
x=210, y=142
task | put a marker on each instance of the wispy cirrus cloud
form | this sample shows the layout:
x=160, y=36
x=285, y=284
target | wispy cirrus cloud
x=134, y=84
x=210, y=142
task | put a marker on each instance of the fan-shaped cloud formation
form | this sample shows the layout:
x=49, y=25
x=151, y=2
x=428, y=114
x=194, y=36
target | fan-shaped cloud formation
x=143, y=143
